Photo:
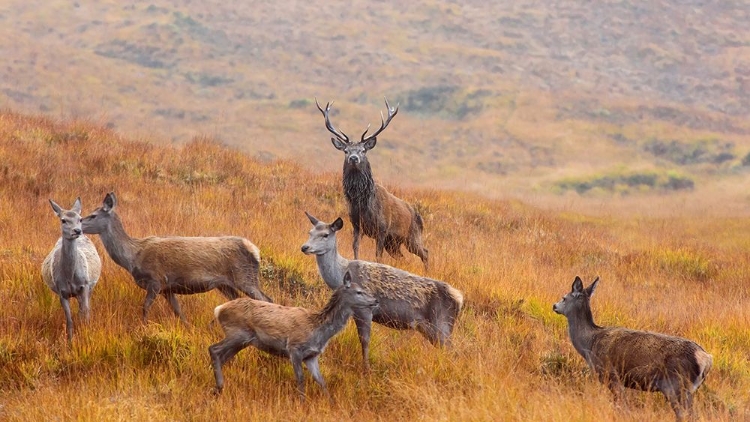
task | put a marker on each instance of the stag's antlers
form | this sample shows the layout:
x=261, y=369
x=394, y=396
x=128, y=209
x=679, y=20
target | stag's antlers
x=383, y=122
x=340, y=135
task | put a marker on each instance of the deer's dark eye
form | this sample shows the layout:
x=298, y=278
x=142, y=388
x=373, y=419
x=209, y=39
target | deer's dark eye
x=325, y=236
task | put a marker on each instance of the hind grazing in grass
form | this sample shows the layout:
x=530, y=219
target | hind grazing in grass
x=73, y=267
x=635, y=359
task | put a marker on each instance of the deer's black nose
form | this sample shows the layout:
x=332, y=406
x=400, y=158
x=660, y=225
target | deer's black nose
x=305, y=248
x=77, y=231
x=354, y=159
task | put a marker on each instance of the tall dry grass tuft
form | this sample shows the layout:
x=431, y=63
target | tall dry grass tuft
x=511, y=358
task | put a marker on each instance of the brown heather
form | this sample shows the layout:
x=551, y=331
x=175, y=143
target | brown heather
x=511, y=358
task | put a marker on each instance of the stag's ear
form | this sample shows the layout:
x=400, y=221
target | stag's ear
x=110, y=202
x=312, y=219
x=77, y=205
x=370, y=143
x=337, y=225
x=577, y=285
x=592, y=287
x=56, y=208
x=338, y=144
x=347, y=280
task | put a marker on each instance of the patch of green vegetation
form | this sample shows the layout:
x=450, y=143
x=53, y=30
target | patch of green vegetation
x=446, y=101
x=207, y=80
x=627, y=182
x=158, y=346
x=142, y=55
x=685, y=153
x=686, y=264
x=300, y=103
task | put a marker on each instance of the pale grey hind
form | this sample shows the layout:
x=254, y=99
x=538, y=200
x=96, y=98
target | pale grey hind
x=296, y=333
x=73, y=267
x=373, y=210
x=178, y=265
x=635, y=359
x=406, y=301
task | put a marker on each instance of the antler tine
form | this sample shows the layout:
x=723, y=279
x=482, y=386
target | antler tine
x=340, y=135
x=383, y=121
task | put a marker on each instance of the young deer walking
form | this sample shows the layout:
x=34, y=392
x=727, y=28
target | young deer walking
x=296, y=333
x=372, y=209
x=178, y=265
x=73, y=267
x=407, y=301
x=639, y=360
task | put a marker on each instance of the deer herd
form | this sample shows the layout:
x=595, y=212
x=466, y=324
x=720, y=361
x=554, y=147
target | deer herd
x=366, y=291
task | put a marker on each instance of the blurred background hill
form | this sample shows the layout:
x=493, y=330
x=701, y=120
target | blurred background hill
x=558, y=102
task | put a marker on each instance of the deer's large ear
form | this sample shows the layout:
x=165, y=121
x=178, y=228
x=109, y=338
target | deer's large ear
x=347, y=280
x=577, y=285
x=592, y=287
x=337, y=225
x=110, y=202
x=56, y=208
x=370, y=143
x=77, y=205
x=312, y=219
x=340, y=145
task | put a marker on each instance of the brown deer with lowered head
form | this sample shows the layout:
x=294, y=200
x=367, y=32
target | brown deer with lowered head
x=372, y=209
x=634, y=359
x=178, y=265
x=296, y=333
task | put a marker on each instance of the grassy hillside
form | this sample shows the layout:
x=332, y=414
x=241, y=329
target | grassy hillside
x=503, y=98
x=511, y=357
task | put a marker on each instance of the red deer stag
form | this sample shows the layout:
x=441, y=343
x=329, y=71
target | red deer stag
x=372, y=209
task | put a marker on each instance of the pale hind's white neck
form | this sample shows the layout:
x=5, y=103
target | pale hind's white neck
x=332, y=267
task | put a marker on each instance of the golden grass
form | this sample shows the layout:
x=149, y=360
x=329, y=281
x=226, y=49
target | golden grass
x=511, y=358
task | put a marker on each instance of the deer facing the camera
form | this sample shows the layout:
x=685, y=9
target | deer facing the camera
x=373, y=210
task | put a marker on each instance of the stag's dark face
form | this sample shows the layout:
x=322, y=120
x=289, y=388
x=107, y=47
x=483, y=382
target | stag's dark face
x=355, y=154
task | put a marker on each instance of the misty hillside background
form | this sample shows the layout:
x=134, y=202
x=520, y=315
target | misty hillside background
x=529, y=98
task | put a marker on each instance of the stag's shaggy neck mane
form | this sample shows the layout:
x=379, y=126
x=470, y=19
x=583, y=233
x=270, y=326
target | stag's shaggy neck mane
x=359, y=188
x=120, y=247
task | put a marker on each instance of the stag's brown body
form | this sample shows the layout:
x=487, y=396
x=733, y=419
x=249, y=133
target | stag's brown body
x=178, y=265
x=373, y=210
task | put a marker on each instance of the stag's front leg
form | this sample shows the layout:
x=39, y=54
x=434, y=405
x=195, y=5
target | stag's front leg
x=355, y=242
x=152, y=289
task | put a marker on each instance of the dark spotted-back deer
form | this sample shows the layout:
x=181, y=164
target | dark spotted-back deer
x=178, y=265
x=73, y=267
x=372, y=209
x=640, y=360
x=295, y=333
x=406, y=301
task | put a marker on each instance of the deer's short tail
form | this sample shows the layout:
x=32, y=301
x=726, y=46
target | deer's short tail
x=705, y=362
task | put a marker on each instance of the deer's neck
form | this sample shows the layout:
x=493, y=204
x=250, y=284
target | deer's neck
x=582, y=331
x=359, y=186
x=332, y=267
x=330, y=320
x=120, y=247
x=69, y=258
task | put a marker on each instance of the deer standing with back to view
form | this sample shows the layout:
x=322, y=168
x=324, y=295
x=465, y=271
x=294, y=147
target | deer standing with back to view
x=640, y=360
x=372, y=209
